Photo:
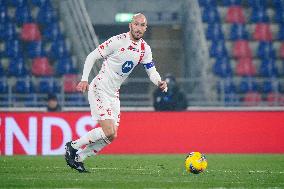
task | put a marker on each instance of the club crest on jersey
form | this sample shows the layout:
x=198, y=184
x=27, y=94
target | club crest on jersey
x=127, y=66
x=133, y=49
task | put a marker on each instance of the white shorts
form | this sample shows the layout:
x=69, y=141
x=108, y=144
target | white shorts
x=103, y=106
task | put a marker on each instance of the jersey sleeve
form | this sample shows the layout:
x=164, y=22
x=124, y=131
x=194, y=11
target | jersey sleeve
x=109, y=46
x=148, y=55
x=149, y=66
x=102, y=51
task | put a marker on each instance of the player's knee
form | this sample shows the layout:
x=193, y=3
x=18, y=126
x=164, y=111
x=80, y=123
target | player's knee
x=111, y=134
x=114, y=136
x=109, y=128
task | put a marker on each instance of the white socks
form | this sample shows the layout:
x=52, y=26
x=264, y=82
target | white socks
x=95, y=140
x=91, y=137
x=91, y=149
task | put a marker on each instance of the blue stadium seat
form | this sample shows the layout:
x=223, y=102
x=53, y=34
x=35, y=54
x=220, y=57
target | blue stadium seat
x=248, y=84
x=214, y=32
x=259, y=15
x=8, y=31
x=17, y=67
x=267, y=87
x=58, y=49
x=52, y=32
x=48, y=85
x=18, y=3
x=47, y=15
x=30, y=100
x=3, y=84
x=207, y=3
x=23, y=15
x=279, y=14
x=268, y=68
x=3, y=3
x=24, y=85
x=65, y=66
x=232, y=2
x=2, y=31
x=238, y=31
x=222, y=67
x=4, y=18
x=257, y=3
x=265, y=50
x=218, y=49
x=210, y=15
x=231, y=99
x=22, y=99
x=41, y=3
x=280, y=35
x=280, y=87
x=13, y=48
x=35, y=49
x=76, y=99
x=278, y=3
x=2, y=72
x=226, y=86
x=4, y=92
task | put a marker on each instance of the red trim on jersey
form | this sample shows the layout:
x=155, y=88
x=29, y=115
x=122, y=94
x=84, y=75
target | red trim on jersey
x=142, y=51
x=100, y=53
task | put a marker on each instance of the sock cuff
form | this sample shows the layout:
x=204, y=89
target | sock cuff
x=104, y=136
x=97, y=134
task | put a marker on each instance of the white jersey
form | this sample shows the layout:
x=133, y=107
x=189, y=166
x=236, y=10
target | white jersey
x=121, y=55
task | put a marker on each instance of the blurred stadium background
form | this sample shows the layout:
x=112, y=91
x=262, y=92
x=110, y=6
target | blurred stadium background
x=223, y=52
x=227, y=55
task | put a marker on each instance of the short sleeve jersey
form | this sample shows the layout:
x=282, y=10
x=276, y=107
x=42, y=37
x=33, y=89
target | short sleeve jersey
x=121, y=55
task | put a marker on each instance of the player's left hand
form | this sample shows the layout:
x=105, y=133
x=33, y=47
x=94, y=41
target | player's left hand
x=163, y=86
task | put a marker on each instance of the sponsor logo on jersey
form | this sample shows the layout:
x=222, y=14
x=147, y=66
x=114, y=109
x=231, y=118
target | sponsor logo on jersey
x=122, y=36
x=133, y=49
x=127, y=66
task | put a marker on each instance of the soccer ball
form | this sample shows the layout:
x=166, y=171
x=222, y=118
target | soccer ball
x=195, y=163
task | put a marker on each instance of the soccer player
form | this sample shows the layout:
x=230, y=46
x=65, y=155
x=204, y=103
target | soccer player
x=121, y=54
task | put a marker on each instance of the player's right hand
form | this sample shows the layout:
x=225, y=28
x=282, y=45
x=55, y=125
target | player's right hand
x=83, y=86
x=163, y=86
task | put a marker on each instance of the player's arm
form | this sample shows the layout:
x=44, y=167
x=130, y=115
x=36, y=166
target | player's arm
x=150, y=68
x=155, y=76
x=89, y=62
x=102, y=51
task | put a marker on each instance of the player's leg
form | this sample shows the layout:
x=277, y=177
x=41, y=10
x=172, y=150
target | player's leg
x=95, y=136
x=90, y=137
x=93, y=148
x=101, y=110
x=109, y=127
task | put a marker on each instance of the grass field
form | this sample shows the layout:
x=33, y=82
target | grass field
x=143, y=171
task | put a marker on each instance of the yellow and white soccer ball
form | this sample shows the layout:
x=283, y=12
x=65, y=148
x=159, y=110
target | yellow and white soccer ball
x=195, y=163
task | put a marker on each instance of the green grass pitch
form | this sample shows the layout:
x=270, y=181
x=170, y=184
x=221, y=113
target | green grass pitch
x=143, y=171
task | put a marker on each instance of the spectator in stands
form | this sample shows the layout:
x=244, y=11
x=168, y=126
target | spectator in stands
x=121, y=53
x=173, y=100
x=52, y=103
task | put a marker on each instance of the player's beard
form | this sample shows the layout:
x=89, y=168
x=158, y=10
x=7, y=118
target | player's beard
x=135, y=33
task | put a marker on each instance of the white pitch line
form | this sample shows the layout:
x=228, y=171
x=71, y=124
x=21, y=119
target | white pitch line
x=115, y=168
x=256, y=171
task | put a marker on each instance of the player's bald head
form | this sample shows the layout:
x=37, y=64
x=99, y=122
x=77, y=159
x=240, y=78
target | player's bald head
x=137, y=26
x=139, y=16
